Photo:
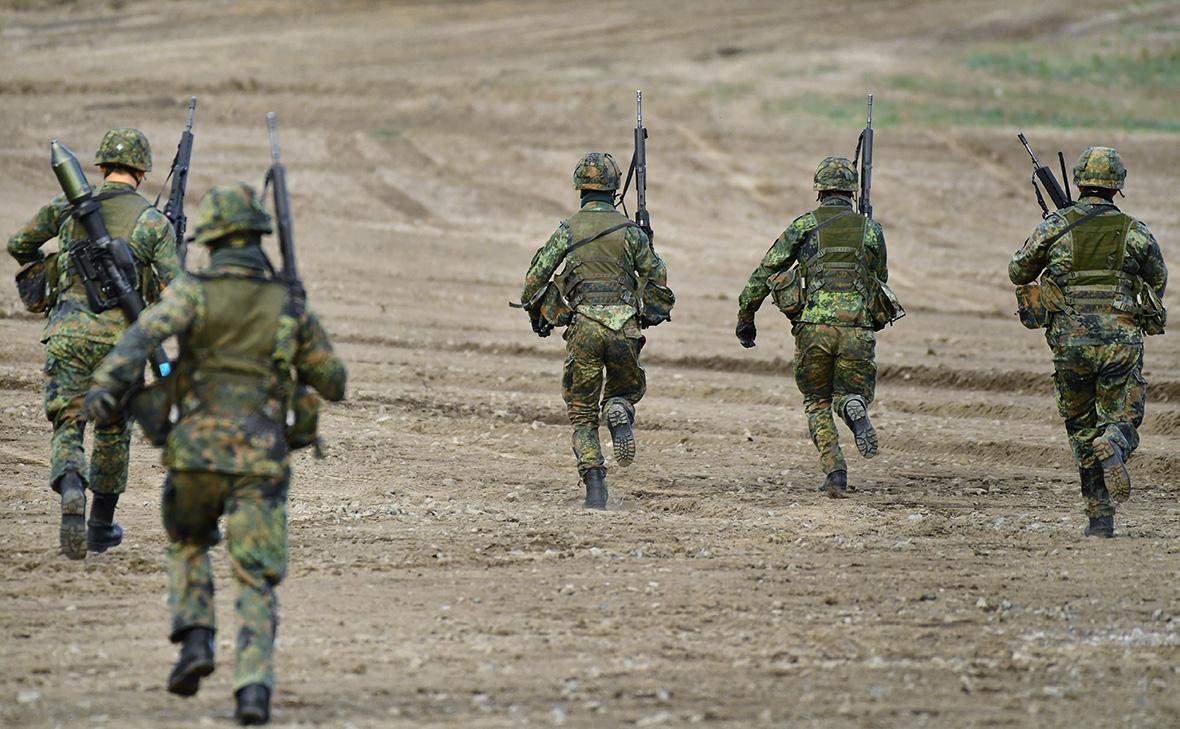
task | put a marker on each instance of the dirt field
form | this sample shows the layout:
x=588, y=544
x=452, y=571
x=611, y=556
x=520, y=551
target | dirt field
x=442, y=572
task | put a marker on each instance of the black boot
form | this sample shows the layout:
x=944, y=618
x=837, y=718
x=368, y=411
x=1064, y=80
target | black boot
x=856, y=416
x=836, y=485
x=1100, y=526
x=619, y=414
x=195, y=662
x=595, y=480
x=102, y=532
x=253, y=704
x=72, y=535
x=1114, y=468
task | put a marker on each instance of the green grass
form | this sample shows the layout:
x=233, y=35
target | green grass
x=1143, y=70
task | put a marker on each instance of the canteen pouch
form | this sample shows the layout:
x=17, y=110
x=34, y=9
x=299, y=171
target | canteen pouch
x=787, y=290
x=36, y=282
x=1153, y=316
x=303, y=419
x=657, y=304
x=884, y=307
x=151, y=407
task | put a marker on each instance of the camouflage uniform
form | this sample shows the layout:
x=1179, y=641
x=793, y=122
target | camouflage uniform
x=602, y=281
x=834, y=340
x=242, y=335
x=1097, y=342
x=77, y=338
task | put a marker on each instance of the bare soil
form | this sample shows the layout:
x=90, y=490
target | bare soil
x=442, y=572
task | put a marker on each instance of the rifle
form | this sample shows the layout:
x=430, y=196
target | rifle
x=276, y=177
x=638, y=169
x=104, y=264
x=1059, y=196
x=863, y=158
x=174, y=209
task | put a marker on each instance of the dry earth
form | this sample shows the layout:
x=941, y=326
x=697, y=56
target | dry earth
x=442, y=573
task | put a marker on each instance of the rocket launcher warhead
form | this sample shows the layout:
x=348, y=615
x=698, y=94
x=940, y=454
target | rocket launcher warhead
x=69, y=173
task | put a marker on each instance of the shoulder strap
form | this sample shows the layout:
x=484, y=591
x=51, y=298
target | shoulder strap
x=585, y=241
x=832, y=219
x=1094, y=212
x=115, y=193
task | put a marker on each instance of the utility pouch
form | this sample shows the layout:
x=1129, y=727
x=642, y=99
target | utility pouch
x=658, y=301
x=151, y=407
x=1036, y=303
x=788, y=291
x=884, y=307
x=303, y=420
x=36, y=282
x=1153, y=316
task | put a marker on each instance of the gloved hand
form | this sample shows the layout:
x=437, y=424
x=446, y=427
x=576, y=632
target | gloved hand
x=100, y=405
x=651, y=235
x=746, y=332
x=541, y=327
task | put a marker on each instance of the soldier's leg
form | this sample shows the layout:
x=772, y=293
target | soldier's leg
x=190, y=505
x=1120, y=398
x=1074, y=385
x=815, y=360
x=854, y=385
x=581, y=388
x=108, y=479
x=626, y=383
x=66, y=380
x=256, y=534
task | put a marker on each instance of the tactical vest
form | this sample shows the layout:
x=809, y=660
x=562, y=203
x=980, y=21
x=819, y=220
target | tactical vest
x=598, y=273
x=839, y=263
x=1096, y=282
x=120, y=212
x=235, y=342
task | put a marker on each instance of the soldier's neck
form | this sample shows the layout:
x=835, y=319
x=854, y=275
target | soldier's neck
x=121, y=177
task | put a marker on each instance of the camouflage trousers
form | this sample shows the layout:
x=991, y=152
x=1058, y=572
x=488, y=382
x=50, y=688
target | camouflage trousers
x=831, y=364
x=590, y=349
x=1100, y=392
x=69, y=366
x=255, y=509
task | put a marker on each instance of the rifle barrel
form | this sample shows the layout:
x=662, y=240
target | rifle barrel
x=192, y=111
x=272, y=123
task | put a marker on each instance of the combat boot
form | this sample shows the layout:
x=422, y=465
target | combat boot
x=1114, y=469
x=1100, y=526
x=836, y=485
x=253, y=704
x=619, y=414
x=195, y=662
x=102, y=532
x=856, y=416
x=73, y=515
x=596, y=495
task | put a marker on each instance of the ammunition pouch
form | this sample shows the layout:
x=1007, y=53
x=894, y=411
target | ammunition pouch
x=884, y=307
x=1036, y=303
x=151, y=407
x=37, y=284
x=788, y=291
x=303, y=419
x=656, y=304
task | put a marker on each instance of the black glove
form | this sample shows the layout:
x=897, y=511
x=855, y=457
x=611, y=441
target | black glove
x=651, y=234
x=541, y=327
x=746, y=332
x=100, y=405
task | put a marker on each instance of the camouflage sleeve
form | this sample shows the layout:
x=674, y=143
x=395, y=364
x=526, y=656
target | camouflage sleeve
x=648, y=263
x=25, y=244
x=1143, y=246
x=154, y=241
x=780, y=256
x=875, y=244
x=1028, y=262
x=180, y=305
x=546, y=261
x=315, y=361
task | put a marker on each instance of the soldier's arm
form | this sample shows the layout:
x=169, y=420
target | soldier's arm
x=25, y=244
x=1028, y=262
x=154, y=241
x=316, y=363
x=546, y=261
x=180, y=304
x=648, y=263
x=781, y=255
x=1146, y=249
x=875, y=242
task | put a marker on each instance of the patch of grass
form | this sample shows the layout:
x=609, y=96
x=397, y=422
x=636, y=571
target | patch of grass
x=1144, y=69
x=387, y=133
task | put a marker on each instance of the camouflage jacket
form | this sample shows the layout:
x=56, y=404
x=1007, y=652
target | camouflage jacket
x=152, y=241
x=796, y=244
x=644, y=261
x=1040, y=253
x=222, y=427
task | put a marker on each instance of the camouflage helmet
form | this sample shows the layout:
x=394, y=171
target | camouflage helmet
x=1100, y=167
x=835, y=173
x=597, y=171
x=127, y=147
x=227, y=209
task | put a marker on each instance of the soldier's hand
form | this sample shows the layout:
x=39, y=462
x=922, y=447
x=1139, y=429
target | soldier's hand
x=100, y=405
x=746, y=332
x=541, y=327
x=651, y=234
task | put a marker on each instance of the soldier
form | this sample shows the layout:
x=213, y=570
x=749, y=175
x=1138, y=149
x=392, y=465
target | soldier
x=245, y=343
x=831, y=259
x=609, y=264
x=1104, y=269
x=79, y=338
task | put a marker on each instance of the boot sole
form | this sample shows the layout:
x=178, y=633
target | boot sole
x=252, y=716
x=1100, y=533
x=1114, y=470
x=862, y=430
x=100, y=547
x=621, y=435
x=836, y=493
x=189, y=682
x=73, y=525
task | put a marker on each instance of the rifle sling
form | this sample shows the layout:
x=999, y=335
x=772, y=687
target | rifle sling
x=585, y=241
x=1095, y=212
